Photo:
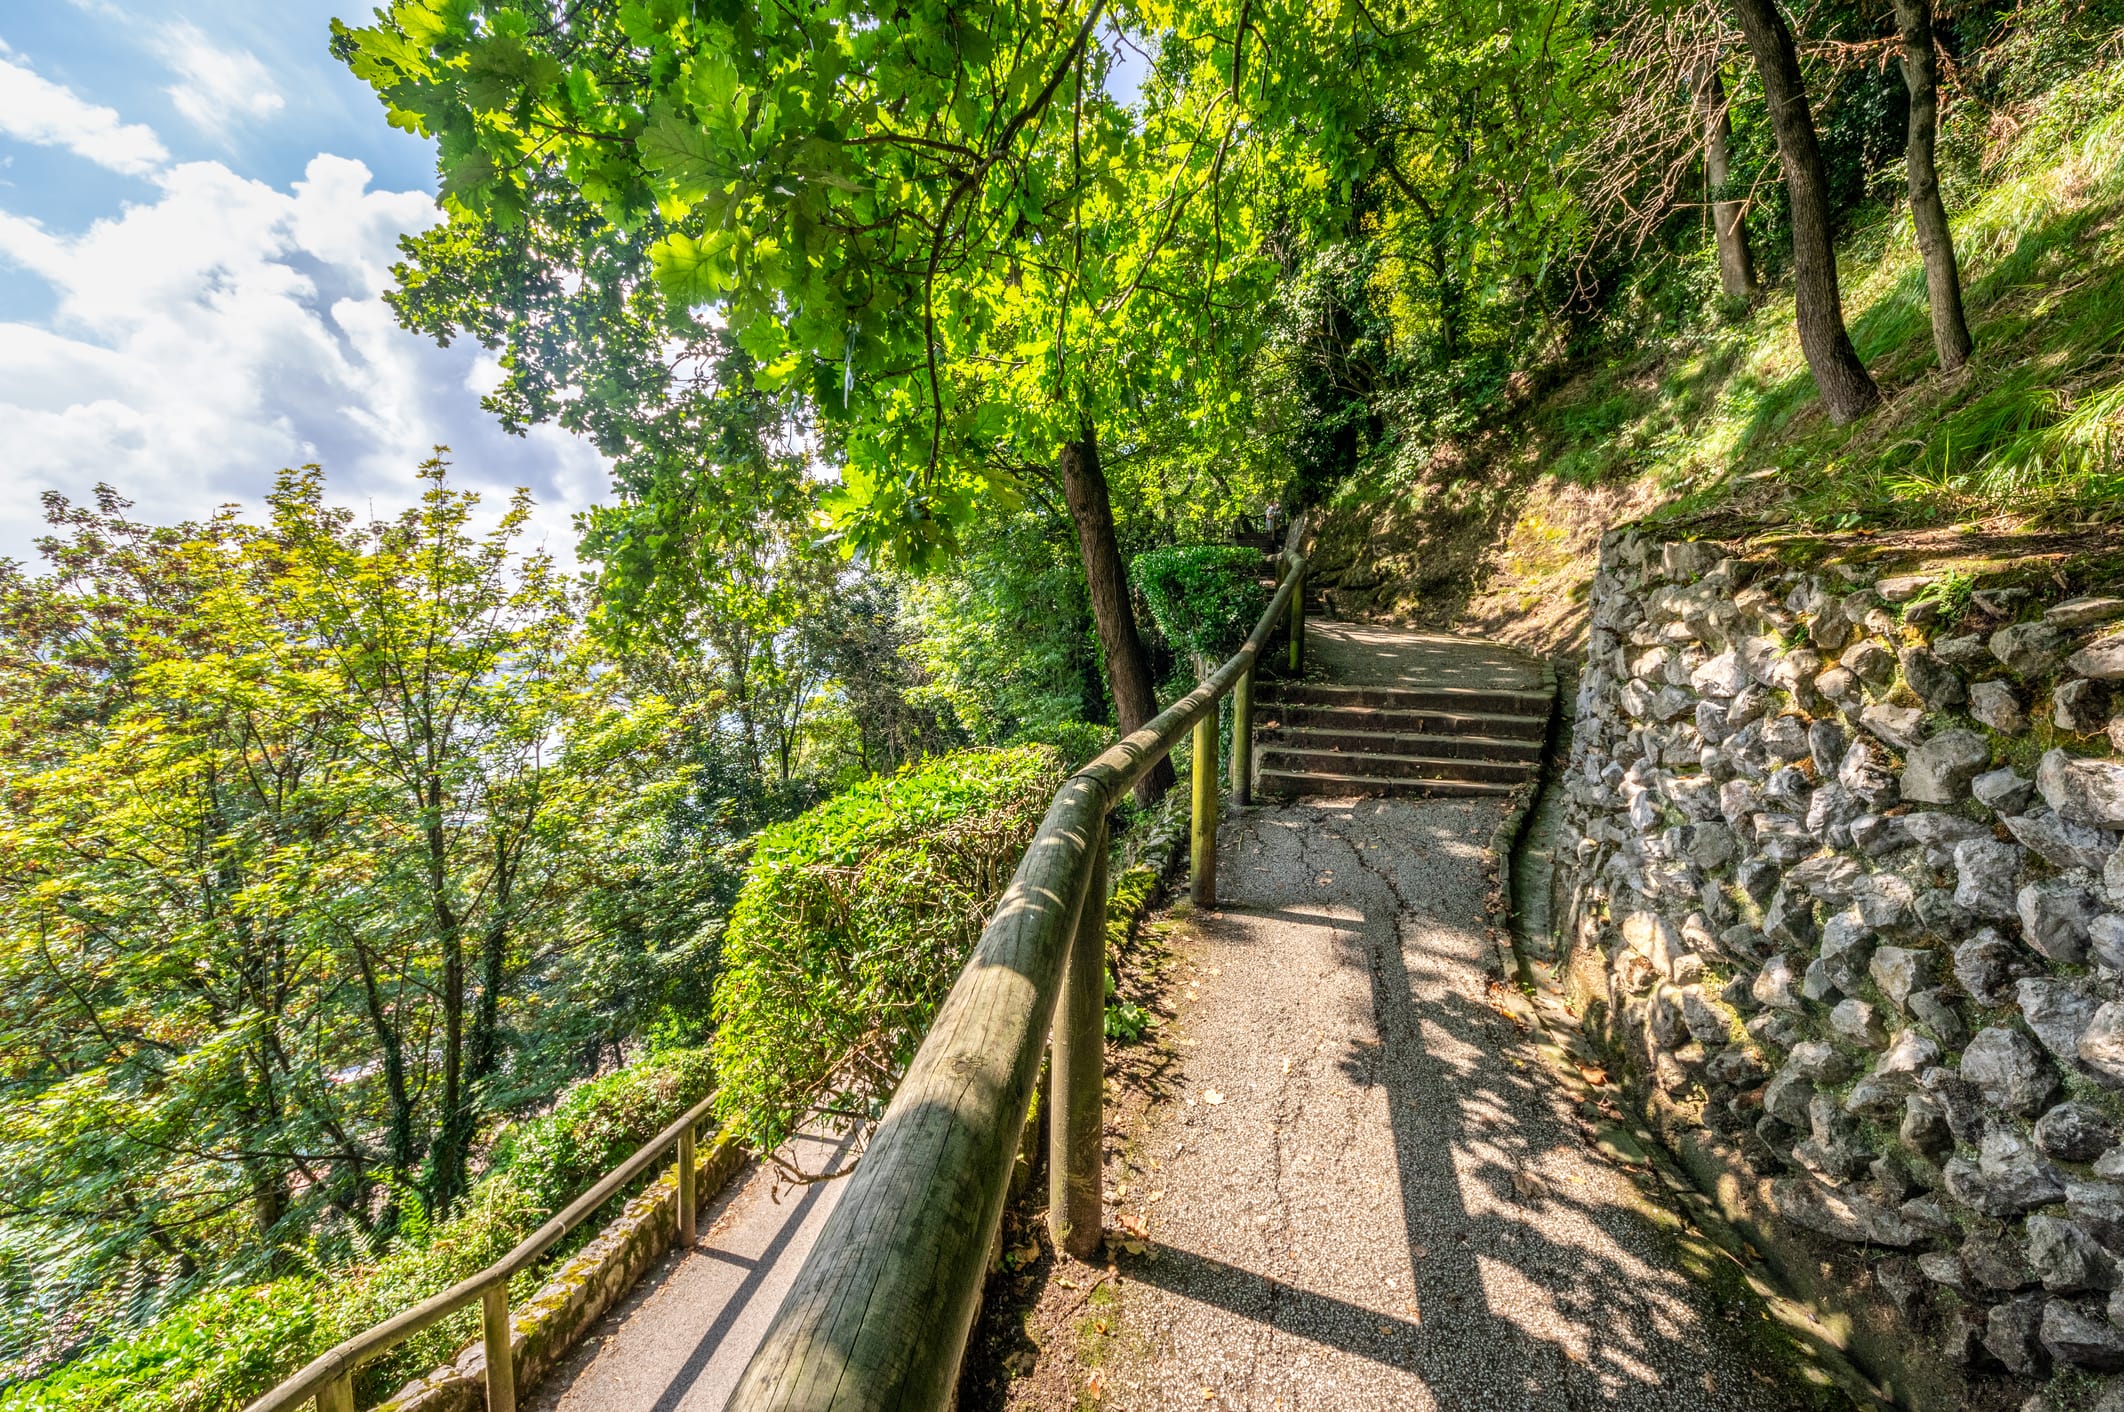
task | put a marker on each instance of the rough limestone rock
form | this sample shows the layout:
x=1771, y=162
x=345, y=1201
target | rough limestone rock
x=2084, y=612
x=2080, y=706
x=2012, y=1334
x=1826, y=744
x=1883, y=900
x=2084, y=791
x=1985, y=870
x=1783, y=838
x=1867, y=775
x=1960, y=1102
x=2073, y=1336
x=1997, y=1259
x=1788, y=788
x=1912, y=1054
x=2016, y=1178
x=1924, y=1127
x=2066, y=1258
x=1870, y=662
x=2010, y=1072
x=2102, y=1044
x=1858, y=1024
x=1787, y=1097
x=1878, y=835
x=2029, y=649
x=1839, y=685
x=1900, y=970
x=2061, y=842
x=2055, y=915
x=1986, y=964
x=2057, y=1011
x=1776, y=985
x=1970, y=651
x=2004, y=790
x=1721, y=676
x=2105, y=938
x=1842, y=1215
x=1938, y=685
x=1901, y=726
x=1999, y=706
x=2073, y=1132
x=1901, y=588
x=2113, y=877
x=1829, y=877
x=1785, y=737
x=1935, y=1009
x=2102, y=659
x=1940, y=770
x=1877, y=1096
x=1818, y=1062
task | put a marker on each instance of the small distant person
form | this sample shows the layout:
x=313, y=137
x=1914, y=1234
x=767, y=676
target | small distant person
x=1274, y=515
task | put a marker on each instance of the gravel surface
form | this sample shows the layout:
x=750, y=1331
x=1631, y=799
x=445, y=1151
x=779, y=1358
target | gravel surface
x=1366, y=1196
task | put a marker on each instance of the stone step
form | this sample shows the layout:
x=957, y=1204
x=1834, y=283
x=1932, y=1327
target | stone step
x=1376, y=742
x=1293, y=783
x=1480, y=700
x=1429, y=721
x=1370, y=765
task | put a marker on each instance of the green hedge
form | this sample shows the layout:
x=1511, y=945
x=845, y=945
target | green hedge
x=1205, y=598
x=853, y=921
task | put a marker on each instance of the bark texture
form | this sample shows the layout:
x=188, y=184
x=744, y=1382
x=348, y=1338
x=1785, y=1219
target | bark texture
x=1736, y=265
x=1127, y=667
x=1847, y=391
x=1928, y=213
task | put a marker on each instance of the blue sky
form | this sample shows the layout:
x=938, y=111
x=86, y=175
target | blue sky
x=198, y=210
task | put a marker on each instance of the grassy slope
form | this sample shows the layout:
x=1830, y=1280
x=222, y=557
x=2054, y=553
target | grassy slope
x=1723, y=429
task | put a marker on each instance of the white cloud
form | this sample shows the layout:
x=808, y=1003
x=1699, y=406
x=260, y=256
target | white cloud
x=219, y=89
x=205, y=340
x=34, y=109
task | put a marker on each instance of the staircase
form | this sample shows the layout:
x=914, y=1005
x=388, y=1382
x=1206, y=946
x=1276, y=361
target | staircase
x=1316, y=738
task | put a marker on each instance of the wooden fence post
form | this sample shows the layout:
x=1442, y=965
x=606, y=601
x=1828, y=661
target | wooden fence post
x=1076, y=1118
x=337, y=1395
x=1202, y=889
x=1242, y=764
x=688, y=1189
x=1298, y=623
x=501, y=1359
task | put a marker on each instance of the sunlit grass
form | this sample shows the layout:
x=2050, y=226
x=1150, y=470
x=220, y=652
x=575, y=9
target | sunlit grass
x=2033, y=428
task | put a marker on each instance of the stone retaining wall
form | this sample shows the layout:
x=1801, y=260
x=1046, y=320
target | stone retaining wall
x=1840, y=848
x=551, y=1322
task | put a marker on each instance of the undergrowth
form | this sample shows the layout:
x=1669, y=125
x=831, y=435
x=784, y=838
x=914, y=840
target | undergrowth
x=1728, y=422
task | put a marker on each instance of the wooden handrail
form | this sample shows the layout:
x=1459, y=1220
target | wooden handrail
x=879, y=1314
x=328, y=1377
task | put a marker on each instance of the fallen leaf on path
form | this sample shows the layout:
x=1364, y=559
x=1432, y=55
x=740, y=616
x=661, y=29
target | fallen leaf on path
x=1095, y=1385
x=1286, y=1063
x=1134, y=1224
x=1212, y=1097
x=1592, y=1075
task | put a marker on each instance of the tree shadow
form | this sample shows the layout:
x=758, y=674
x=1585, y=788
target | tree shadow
x=1539, y=1278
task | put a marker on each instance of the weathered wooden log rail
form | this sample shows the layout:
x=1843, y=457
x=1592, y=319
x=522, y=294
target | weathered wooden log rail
x=329, y=1378
x=879, y=1314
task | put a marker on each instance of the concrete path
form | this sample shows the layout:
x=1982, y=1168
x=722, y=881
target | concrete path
x=1367, y=1196
x=680, y=1340
x=1387, y=1208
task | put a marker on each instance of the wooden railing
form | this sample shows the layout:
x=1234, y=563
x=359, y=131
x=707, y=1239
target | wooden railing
x=330, y=1377
x=880, y=1312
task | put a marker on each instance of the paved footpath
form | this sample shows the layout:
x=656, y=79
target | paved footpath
x=1387, y=1208
x=1367, y=1194
x=681, y=1338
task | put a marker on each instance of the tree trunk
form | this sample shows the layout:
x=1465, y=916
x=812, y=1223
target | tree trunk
x=1928, y=213
x=1736, y=266
x=1127, y=668
x=1839, y=376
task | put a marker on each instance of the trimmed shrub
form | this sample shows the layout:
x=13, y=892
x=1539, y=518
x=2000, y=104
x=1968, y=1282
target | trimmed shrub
x=853, y=921
x=1205, y=598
